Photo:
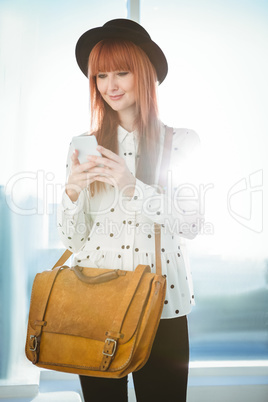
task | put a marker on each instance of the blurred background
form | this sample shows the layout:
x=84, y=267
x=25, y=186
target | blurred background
x=217, y=85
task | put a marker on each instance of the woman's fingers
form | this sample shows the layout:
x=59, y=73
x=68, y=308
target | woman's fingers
x=109, y=158
x=103, y=161
x=80, y=167
x=113, y=169
x=108, y=154
x=83, y=167
x=109, y=168
x=107, y=179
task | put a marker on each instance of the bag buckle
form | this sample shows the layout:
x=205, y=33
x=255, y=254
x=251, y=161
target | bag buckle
x=35, y=343
x=109, y=340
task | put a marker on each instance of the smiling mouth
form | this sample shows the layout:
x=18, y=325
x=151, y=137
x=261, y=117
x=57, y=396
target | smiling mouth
x=116, y=97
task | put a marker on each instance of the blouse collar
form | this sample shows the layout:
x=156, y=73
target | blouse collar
x=123, y=133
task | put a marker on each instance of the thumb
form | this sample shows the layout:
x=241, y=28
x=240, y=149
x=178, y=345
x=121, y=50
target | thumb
x=74, y=158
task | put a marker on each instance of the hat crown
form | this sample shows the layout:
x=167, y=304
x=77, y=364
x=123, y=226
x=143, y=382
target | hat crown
x=127, y=24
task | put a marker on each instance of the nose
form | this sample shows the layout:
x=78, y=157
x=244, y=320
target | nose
x=112, y=83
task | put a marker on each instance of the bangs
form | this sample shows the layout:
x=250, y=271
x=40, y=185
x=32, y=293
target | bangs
x=110, y=55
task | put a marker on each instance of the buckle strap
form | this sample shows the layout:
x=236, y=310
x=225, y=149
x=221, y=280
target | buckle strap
x=39, y=321
x=33, y=343
x=34, y=347
x=109, y=347
x=108, y=353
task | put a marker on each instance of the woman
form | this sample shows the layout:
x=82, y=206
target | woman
x=110, y=203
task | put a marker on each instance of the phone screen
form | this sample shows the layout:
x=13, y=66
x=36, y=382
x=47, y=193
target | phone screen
x=86, y=145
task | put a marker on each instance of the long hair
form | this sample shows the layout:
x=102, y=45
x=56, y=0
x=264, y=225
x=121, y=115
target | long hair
x=122, y=55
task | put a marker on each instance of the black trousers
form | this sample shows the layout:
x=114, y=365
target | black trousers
x=163, y=378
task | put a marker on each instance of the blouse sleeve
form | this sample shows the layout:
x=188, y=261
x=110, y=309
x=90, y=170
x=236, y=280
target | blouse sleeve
x=73, y=218
x=178, y=208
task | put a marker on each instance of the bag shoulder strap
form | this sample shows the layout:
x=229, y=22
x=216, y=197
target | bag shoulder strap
x=162, y=181
x=65, y=256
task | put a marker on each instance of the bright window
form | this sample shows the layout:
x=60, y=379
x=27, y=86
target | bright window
x=44, y=103
x=217, y=85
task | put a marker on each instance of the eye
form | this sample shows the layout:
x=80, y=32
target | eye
x=123, y=73
x=102, y=75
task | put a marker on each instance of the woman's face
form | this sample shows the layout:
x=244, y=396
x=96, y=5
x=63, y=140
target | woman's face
x=117, y=89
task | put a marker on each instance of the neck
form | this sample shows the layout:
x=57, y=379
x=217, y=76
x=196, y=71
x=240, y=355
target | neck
x=127, y=120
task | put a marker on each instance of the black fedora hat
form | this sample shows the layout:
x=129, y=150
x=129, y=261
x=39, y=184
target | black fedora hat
x=121, y=29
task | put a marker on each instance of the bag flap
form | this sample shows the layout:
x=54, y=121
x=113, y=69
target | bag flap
x=80, y=309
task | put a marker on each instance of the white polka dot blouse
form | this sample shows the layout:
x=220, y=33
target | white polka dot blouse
x=108, y=230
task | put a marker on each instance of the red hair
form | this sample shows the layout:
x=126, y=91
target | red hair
x=121, y=55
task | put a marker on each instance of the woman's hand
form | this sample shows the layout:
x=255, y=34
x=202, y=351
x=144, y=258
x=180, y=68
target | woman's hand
x=80, y=177
x=112, y=169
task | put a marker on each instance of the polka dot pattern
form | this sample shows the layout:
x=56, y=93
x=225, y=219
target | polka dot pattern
x=117, y=238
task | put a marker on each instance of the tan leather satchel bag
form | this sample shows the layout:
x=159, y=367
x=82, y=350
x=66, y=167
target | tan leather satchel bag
x=96, y=322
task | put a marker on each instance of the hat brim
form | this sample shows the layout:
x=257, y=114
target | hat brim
x=90, y=38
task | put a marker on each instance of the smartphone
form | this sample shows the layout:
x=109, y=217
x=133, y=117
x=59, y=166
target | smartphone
x=86, y=145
